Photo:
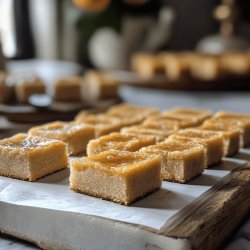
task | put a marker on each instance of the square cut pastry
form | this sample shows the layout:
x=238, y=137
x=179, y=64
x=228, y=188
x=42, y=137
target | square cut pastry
x=142, y=130
x=207, y=68
x=76, y=136
x=29, y=157
x=119, y=176
x=27, y=86
x=241, y=120
x=167, y=120
x=146, y=65
x=6, y=91
x=104, y=124
x=198, y=114
x=212, y=142
x=118, y=141
x=67, y=89
x=176, y=65
x=231, y=135
x=235, y=63
x=97, y=85
x=131, y=113
x=180, y=162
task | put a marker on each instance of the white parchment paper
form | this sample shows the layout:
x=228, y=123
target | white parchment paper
x=153, y=211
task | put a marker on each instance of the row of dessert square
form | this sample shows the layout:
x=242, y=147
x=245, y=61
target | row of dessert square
x=29, y=150
x=114, y=170
x=179, y=65
x=95, y=85
x=153, y=127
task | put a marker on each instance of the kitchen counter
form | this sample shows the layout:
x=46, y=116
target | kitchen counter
x=240, y=240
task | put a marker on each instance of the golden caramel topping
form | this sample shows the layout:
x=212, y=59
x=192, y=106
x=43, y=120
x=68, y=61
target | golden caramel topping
x=232, y=116
x=220, y=124
x=58, y=127
x=171, y=146
x=142, y=130
x=119, y=141
x=24, y=141
x=196, y=133
x=112, y=161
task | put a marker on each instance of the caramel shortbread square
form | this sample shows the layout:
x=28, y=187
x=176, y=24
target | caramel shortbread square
x=28, y=157
x=104, y=124
x=207, y=68
x=176, y=65
x=231, y=135
x=118, y=141
x=28, y=86
x=98, y=85
x=212, y=142
x=235, y=63
x=76, y=136
x=147, y=65
x=180, y=162
x=119, y=176
x=67, y=89
x=242, y=121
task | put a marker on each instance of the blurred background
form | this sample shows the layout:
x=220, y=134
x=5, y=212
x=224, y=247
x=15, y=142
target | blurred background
x=53, y=39
x=105, y=36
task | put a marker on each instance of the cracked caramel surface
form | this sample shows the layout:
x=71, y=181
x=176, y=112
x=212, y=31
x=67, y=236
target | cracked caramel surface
x=233, y=117
x=113, y=161
x=196, y=133
x=118, y=141
x=167, y=120
x=172, y=146
x=25, y=142
x=58, y=128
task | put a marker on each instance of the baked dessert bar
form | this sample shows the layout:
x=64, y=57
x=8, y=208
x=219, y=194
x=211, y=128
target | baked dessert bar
x=243, y=122
x=97, y=85
x=76, y=136
x=231, y=134
x=67, y=89
x=180, y=162
x=6, y=91
x=28, y=86
x=131, y=114
x=235, y=63
x=206, y=67
x=29, y=157
x=212, y=142
x=146, y=65
x=143, y=130
x=118, y=141
x=176, y=65
x=192, y=113
x=104, y=124
x=119, y=176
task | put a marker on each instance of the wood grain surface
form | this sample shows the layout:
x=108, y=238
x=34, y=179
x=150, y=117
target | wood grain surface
x=209, y=220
